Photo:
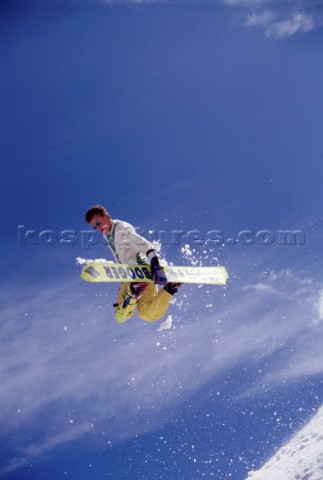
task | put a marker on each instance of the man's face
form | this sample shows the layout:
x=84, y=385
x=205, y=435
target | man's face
x=101, y=223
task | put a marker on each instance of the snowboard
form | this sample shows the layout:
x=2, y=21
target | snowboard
x=117, y=272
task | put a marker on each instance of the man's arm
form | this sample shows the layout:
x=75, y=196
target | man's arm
x=132, y=244
x=157, y=271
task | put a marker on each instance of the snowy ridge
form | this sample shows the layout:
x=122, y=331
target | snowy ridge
x=300, y=459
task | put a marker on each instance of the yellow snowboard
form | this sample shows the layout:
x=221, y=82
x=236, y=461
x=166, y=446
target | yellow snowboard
x=117, y=272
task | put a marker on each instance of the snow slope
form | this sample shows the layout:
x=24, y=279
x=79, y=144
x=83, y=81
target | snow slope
x=300, y=459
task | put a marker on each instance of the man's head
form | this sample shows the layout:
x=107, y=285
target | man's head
x=98, y=217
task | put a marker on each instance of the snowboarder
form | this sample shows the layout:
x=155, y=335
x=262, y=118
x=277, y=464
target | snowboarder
x=129, y=247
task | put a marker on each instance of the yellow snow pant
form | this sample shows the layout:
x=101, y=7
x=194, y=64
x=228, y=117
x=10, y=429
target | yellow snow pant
x=152, y=304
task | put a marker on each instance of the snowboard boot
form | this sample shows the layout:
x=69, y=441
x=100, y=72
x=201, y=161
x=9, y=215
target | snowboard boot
x=128, y=305
x=172, y=287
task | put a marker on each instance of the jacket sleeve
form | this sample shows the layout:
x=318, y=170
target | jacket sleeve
x=129, y=244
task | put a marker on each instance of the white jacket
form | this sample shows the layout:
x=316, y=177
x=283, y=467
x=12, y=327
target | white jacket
x=126, y=245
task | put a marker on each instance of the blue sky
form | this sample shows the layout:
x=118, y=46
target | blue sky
x=175, y=116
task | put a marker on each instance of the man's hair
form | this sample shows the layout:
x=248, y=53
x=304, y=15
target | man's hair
x=95, y=210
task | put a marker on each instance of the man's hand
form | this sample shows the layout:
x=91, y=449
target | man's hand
x=157, y=272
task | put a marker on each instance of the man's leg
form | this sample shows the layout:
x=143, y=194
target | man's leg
x=153, y=304
x=124, y=312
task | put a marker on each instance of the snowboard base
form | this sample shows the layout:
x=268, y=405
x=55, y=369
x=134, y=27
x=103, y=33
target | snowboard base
x=117, y=272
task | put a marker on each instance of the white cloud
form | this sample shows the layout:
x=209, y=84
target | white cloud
x=305, y=358
x=320, y=306
x=297, y=23
x=238, y=3
x=37, y=450
x=261, y=287
x=278, y=19
x=259, y=19
x=301, y=302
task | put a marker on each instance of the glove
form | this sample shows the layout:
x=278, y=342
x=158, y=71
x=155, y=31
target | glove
x=157, y=272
